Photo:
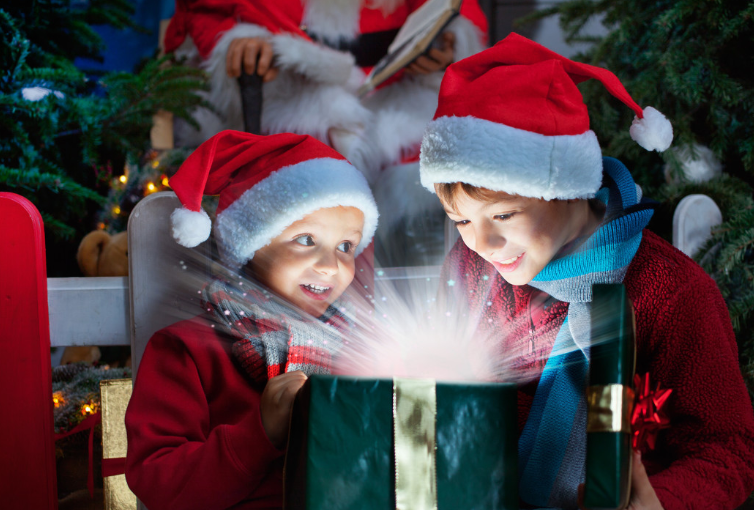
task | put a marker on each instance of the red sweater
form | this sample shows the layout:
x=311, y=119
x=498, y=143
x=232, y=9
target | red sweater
x=195, y=436
x=684, y=340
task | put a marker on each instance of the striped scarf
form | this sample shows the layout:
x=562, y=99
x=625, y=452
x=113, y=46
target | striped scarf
x=552, y=447
x=272, y=337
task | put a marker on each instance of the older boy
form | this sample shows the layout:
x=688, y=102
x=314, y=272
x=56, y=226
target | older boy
x=542, y=217
x=206, y=429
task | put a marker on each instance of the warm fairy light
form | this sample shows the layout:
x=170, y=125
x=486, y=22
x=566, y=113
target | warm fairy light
x=123, y=179
x=155, y=164
x=116, y=210
x=101, y=226
x=165, y=181
x=151, y=186
x=88, y=409
x=58, y=400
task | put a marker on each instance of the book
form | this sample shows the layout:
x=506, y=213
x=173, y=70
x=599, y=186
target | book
x=413, y=39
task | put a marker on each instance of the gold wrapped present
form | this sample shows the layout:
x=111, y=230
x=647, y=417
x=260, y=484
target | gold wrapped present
x=115, y=396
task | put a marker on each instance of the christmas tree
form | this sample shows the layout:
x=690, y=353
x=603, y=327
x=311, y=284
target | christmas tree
x=691, y=60
x=63, y=133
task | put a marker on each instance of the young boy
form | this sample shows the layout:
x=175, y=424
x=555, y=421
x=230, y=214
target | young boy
x=206, y=429
x=542, y=217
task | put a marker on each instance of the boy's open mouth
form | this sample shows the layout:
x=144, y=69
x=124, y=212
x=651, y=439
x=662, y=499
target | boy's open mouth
x=316, y=291
x=508, y=265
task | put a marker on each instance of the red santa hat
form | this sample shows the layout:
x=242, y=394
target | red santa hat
x=265, y=184
x=512, y=119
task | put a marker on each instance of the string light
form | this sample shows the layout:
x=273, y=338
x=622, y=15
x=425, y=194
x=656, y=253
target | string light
x=155, y=163
x=165, y=181
x=116, y=210
x=151, y=187
x=123, y=179
x=58, y=400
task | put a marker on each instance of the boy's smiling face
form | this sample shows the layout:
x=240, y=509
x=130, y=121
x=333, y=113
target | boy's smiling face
x=519, y=235
x=312, y=262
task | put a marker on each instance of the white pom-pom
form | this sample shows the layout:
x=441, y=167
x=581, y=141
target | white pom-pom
x=190, y=228
x=699, y=164
x=653, y=132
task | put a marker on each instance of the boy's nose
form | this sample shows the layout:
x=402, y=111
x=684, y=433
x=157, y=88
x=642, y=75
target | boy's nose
x=327, y=264
x=488, y=241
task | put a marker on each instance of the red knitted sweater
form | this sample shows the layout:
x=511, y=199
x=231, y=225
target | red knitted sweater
x=684, y=340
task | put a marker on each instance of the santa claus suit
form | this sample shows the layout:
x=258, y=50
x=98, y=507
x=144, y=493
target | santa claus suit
x=323, y=49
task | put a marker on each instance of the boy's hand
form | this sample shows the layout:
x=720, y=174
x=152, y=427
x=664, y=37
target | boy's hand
x=436, y=59
x=252, y=54
x=276, y=405
x=643, y=496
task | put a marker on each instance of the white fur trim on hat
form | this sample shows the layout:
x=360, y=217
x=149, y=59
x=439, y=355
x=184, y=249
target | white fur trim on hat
x=502, y=158
x=190, y=228
x=654, y=132
x=286, y=196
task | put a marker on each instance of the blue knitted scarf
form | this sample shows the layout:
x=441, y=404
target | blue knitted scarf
x=552, y=447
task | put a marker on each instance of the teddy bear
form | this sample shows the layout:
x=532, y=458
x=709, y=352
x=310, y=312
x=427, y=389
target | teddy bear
x=100, y=254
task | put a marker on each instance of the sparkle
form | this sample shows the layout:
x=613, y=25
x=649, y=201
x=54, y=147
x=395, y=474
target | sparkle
x=485, y=277
x=227, y=312
x=489, y=303
x=384, y=298
x=380, y=272
x=450, y=283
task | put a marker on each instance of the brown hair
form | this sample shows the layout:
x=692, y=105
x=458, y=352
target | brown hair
x=448, y=192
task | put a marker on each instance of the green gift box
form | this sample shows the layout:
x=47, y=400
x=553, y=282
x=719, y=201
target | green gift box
x=347, y=434
x=610, y=398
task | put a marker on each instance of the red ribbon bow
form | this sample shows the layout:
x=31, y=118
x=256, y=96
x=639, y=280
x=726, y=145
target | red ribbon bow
x=648, y=417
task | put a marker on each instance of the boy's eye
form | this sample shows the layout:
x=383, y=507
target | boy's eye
x=503, y=217
x=305, y=240
x=345, y=247
x=461, y=223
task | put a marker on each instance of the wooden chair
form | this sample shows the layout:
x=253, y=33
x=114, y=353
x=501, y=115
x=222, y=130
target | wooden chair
x=161, y=293
x=26, y=441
